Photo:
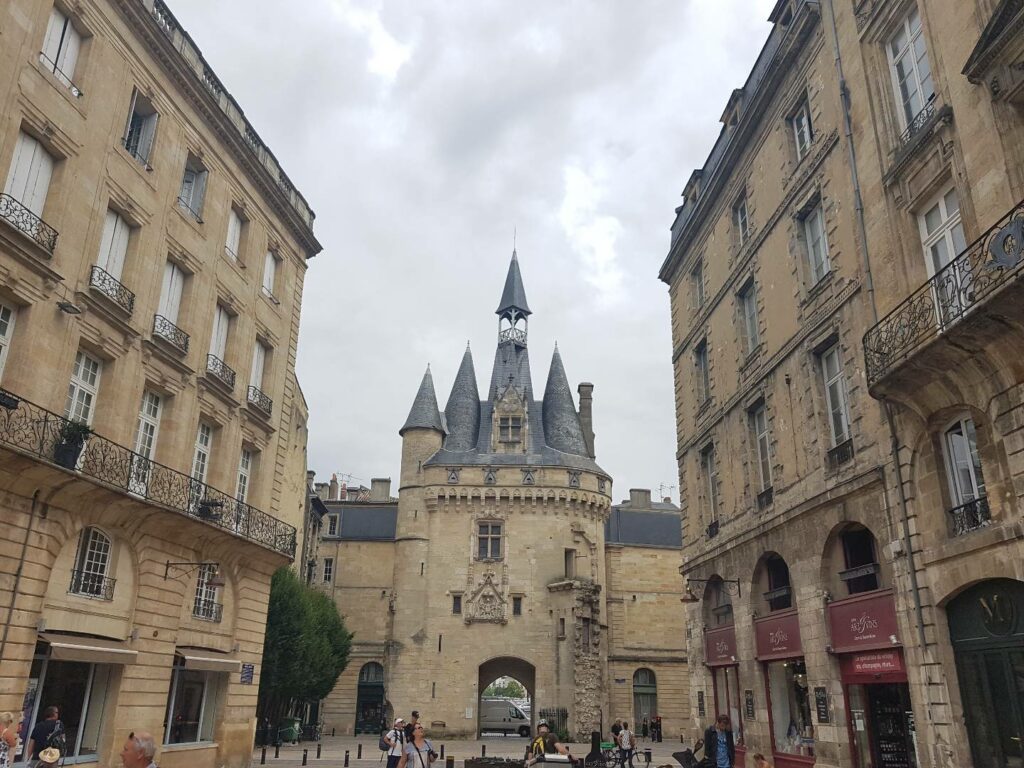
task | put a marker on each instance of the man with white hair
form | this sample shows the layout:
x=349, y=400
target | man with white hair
x=139, y=750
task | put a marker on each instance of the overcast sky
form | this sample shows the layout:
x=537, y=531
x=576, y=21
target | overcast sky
x=424, y=132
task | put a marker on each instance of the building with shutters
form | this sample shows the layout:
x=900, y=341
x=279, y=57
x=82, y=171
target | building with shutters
x=844, y=274
x=152, y=254
x=503, y=555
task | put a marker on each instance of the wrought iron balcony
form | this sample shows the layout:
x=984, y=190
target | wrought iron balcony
x=208, y=610
x=840, y=454
x=168, y=332
x=108, y=285
x=921, y=119
x=260, y=400
x=26, y=222
x=132, y=146
x=765, y=498
x=186, y=206
x=34, y=431
x=712, y=529
x=94, y=585
x=971, y=516
x=221, y=371
x=51, y=66
x=988, y=264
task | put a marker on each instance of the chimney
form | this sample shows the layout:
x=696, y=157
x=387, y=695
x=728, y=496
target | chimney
x=343, y=492
x=322, y=491
x=334, y=487
x=639, y=498
x=586, y=391
x=380, y=489
x=667, y=499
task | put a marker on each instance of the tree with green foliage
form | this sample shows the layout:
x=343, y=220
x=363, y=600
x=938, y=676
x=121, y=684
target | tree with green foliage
x=505, y=688
x=306, y=646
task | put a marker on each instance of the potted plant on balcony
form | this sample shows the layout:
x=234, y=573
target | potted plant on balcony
x=70, y=442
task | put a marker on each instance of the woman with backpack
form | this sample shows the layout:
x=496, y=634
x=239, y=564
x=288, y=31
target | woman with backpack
x=419, y=753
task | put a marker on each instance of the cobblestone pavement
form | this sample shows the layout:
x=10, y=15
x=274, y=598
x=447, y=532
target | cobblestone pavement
x=333, y=751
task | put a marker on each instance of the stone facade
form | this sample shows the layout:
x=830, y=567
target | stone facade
x=496, y=560
x=139, y=207
x=842, y=468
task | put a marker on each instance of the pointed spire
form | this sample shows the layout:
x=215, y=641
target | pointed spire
x=462, y=413
x=424, y=413
x=562, y=430
x=514, y=295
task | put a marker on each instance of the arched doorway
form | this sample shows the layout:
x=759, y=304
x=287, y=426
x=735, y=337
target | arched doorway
x=501, y=714
x=645, y=697
x=370, y=698
x=986, y=627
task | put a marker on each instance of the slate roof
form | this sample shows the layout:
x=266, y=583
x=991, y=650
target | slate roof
x=561, y=422
x=462, y=413
x=511, y=366
x=647, y=528
x=370, y=522
x=424, y=413
x=514, y=295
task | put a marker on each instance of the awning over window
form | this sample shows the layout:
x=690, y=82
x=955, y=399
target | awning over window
x=88, y=649
x=208, y=661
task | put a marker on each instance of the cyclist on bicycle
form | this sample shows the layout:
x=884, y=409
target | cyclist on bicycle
x=546, y=743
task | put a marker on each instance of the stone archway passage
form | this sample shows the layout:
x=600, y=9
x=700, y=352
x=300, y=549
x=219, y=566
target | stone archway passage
x=516, y=668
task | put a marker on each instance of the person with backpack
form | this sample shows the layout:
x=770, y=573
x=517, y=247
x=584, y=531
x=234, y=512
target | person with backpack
x=49, y=732
x=393, y=742
x=546, y=743
x=418, y=752
x=627, y=745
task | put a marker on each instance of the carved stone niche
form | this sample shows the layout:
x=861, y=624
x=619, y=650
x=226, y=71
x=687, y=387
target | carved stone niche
x=487, y=603
x=508, y=424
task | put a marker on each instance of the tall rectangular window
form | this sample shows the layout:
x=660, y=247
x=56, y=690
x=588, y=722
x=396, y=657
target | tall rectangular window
x=140, y=129
x=204, y=604
x=193, y=704
x=489, y=541
x=570, y=563
x=835, y=395
x=7, y=317
x=710, y=481
x=748, y=316
x=963, y=463
x=800, y=123
x=911, y=72
x=328, y=570
x=233, y=240
x=113, y=244
x=61, y=47
x=332, y=525
x=759, y=429
x=270, y=270
x=83, y=388
x=697, y=279
x=817, y=244
x=219, y=334
x=28, y=180
x=942, y=232
x=702, y=371
x=170, y=291
x=510, y=429
x=517, y=606
x=740, y=220
x=193, y=187
x=244, y=474
x=457, y=604
x=147, y=429
x=204, y=447
x=259, y=364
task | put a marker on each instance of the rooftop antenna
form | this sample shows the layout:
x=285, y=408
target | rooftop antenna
x=662, y=487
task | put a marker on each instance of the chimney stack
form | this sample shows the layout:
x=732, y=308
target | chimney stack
x=586, y=391
x=639, y=498
x=334, y=487
x=380, y=489
x=321, y=490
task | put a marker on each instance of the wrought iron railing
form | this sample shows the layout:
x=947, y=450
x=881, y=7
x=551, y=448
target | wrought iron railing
x=51, y=66
x=840, y=454
x=779, y=598
x=94, y=585
x=920, y=120
x=112, y=288
x=167, y=331
x=859, y=572
x=985, y=266
x=26, y=222
x=33, y=430
x=220, y=370
x=712, y=529
x=208, y=610
x=971, y=516
x=260, y=400
x=132, y=146
x=186, y=206
x=518, y=335
x=765, y=498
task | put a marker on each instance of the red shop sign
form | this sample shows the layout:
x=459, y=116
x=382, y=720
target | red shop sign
x=864, y=622
x=778, y=636
x=888, y=662
x=720, y=646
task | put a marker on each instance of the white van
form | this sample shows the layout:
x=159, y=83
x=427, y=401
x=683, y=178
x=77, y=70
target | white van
x=502, y=716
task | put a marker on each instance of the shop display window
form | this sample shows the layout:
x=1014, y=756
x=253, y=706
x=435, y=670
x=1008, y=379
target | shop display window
x=792, y=729
x=727, y=697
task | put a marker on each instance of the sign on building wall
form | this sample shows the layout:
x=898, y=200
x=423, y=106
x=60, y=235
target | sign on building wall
x=700, y=704
x=748, y=704
x=821, y=704
x=247, y=673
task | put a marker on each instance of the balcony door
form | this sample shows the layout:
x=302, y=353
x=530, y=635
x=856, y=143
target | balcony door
x=942, y=235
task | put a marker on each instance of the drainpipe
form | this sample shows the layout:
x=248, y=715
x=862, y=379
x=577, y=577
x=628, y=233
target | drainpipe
x=17, y=573
x=844, y=95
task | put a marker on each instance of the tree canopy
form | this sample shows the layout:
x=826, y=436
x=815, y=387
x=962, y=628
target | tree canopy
x=505, y=688
x=306, y=646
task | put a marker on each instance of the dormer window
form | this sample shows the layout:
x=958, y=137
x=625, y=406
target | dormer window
x=510, y=429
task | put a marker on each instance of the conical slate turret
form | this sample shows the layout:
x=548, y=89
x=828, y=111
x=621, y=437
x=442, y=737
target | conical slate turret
x=462, y=413
x=562, y=430
x=514, y=295
x=424, y=413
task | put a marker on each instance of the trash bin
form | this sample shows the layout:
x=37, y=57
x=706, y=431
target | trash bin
x=289, y=729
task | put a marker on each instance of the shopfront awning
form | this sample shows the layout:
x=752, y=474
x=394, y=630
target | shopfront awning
x=92, y=650
x=208, y=661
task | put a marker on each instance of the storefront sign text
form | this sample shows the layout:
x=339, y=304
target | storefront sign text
x=778, y=636
x=720, y=646
x=863, y=622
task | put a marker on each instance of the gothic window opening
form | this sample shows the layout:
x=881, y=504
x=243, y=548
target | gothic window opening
x=510, y=429
x=489, y=541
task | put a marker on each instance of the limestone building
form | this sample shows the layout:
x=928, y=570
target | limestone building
x=498, y=559
x=843, y=275
x=152, y=254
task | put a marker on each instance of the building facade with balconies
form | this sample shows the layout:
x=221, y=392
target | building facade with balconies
x=153, y=255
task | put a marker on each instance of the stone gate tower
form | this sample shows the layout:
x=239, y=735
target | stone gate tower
x=500, y=541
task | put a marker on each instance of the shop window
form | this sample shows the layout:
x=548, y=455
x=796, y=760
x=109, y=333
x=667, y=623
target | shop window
x=193, y=704
x=89, y=578
x=861, y=573
x=82, y=690
x=792, y=729
x=726, y=683
x=780, y=591
x=489, y=541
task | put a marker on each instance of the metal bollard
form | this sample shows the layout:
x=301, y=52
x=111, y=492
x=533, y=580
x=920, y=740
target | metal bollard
x=319, y=746
x=442, y=751
x=332, y=732
x=263, y=755
x=305, y=756
x=359, y=751
x=449, y=762
x=277, y=750
x=483, y=750
x=647, y=756
x=346, y=758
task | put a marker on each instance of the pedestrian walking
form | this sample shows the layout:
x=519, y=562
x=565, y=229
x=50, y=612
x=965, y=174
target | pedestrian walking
x=616, y=728
x=48, y=757
x=418, y=752
x=8, y=739
x=395, y=739
x=644, y=729
x=627, y=745
x=719, y=747
x=48, y=732
x=139, y=750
